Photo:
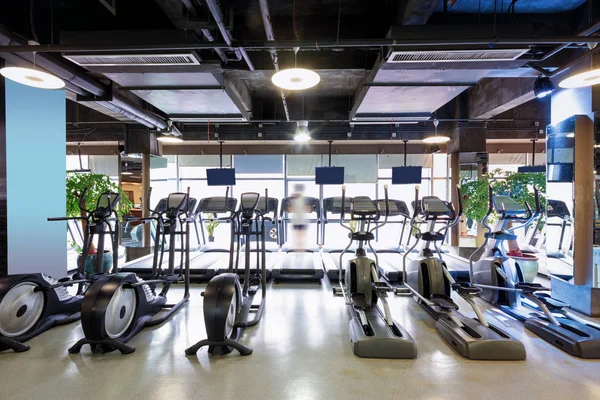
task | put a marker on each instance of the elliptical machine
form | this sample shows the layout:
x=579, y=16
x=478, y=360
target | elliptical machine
x=501, y=279
x=227, y=302
x=30, y=304
x=116, y=307
x=373, y=332
x=430, y=283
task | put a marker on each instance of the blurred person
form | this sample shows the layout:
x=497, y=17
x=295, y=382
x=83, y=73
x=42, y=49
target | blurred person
x=299, y=212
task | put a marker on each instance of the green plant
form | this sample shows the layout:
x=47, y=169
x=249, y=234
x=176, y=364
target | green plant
x=96, y=184
x=519, y=186
x=211, y=225
x=353, y=225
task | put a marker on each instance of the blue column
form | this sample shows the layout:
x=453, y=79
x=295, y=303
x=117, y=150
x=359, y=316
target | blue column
x=35, y=142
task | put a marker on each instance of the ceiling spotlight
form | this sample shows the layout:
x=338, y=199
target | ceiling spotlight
x=436, y=138
x=588, y=78
x=32, y=77
x=302, y=134
x=169, y=139
x=543, y=86
x=295, y=79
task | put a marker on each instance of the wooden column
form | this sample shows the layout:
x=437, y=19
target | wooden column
x=454, y=180
x=583, y=210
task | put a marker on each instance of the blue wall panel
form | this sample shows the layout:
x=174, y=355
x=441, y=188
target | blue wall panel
x=36, y=164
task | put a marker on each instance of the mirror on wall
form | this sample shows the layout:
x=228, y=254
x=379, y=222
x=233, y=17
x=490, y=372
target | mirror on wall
x=560, y=149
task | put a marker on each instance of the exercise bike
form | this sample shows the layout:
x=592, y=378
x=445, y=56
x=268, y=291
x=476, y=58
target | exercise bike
x=30, y=304
x=501, y=279
x=373, y=332
x=227, y=302
x=117, y=307
x=431, y=284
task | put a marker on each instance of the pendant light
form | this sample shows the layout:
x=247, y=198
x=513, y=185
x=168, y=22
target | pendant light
x=302, y=134
x=126, y=172
x=436, y=138
x=32, y=77
x=295, y=78
x=583, y=79
x=169, y=139
x=171, y=134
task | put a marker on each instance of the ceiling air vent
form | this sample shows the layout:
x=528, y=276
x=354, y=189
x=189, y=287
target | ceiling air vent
x=456, y=55
x=106, y=60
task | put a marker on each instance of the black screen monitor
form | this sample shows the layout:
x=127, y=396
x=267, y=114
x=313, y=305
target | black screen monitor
x=220, y=177
x=406, y=175
x=329, y=175
x=532, y=168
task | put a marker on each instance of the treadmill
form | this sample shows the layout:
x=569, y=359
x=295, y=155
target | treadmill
x=143, y=266
x=298, y=264
x=271, y=244
x=390, y=261
x=212, y=255
x=330, y=256
x=559, y=262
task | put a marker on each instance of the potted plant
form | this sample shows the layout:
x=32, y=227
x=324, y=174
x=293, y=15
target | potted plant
x=211, y=225
x=96, y=184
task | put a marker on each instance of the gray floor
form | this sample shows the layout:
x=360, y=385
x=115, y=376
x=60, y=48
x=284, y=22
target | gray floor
x=301, y=351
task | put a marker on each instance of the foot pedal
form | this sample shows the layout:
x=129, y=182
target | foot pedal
x=551, y=303
x=465, y=288
x=527, y=287
x=360, y=301
x=171, y=278
x=444, y=302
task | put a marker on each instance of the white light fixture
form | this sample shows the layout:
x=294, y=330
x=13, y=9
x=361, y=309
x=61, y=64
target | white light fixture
x=32, y=77
x=295, y=79
x=302, y=134
x=126, y=172
x=583, y=79
x=435, y=139
x=169, y=139
x=570, y=135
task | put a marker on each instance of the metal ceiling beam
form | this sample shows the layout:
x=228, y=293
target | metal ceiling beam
x=201, y=87
x=418, y=84
x=493, y=96
x=289, y=45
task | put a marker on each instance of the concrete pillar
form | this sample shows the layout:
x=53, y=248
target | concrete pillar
x=147, y=239
x=32, y=180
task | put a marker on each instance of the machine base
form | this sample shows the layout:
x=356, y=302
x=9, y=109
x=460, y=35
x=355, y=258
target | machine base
x=213, y=346
x=102, y=346
x=383, y=344
x=493, y=344
x=567, y=340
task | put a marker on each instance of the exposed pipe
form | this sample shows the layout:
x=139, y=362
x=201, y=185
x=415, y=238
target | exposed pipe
x=214, y=9
x=75, y=79
x=289, y=45
x=266, y=17
x=565, y=67
x=205, y=32
x=418, y=84
x=587, y=32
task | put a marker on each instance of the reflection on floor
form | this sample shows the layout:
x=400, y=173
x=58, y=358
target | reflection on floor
x=301, y=351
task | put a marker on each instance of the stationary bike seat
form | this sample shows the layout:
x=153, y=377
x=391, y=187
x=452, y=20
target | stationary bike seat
x=360, y=301
x=465, y=288
x=443, y=301
x=527, y=287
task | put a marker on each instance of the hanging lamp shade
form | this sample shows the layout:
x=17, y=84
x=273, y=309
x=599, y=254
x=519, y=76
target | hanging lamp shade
x=32, y=77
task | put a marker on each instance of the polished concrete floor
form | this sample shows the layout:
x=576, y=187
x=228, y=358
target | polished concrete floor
x=301, y=351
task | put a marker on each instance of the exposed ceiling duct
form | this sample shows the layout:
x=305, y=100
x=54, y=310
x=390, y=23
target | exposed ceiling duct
x=171, y=59
x=456, y=55
x=91, y=88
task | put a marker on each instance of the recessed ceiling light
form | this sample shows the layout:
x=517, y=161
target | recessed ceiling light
x=32, y=77
x=169, y=139
x=295, y=79
x=583, y=79
x=436, y=139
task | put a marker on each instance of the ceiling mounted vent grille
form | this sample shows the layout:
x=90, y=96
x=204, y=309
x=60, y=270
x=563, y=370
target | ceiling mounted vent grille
x=134, y=59
x=456, y=55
